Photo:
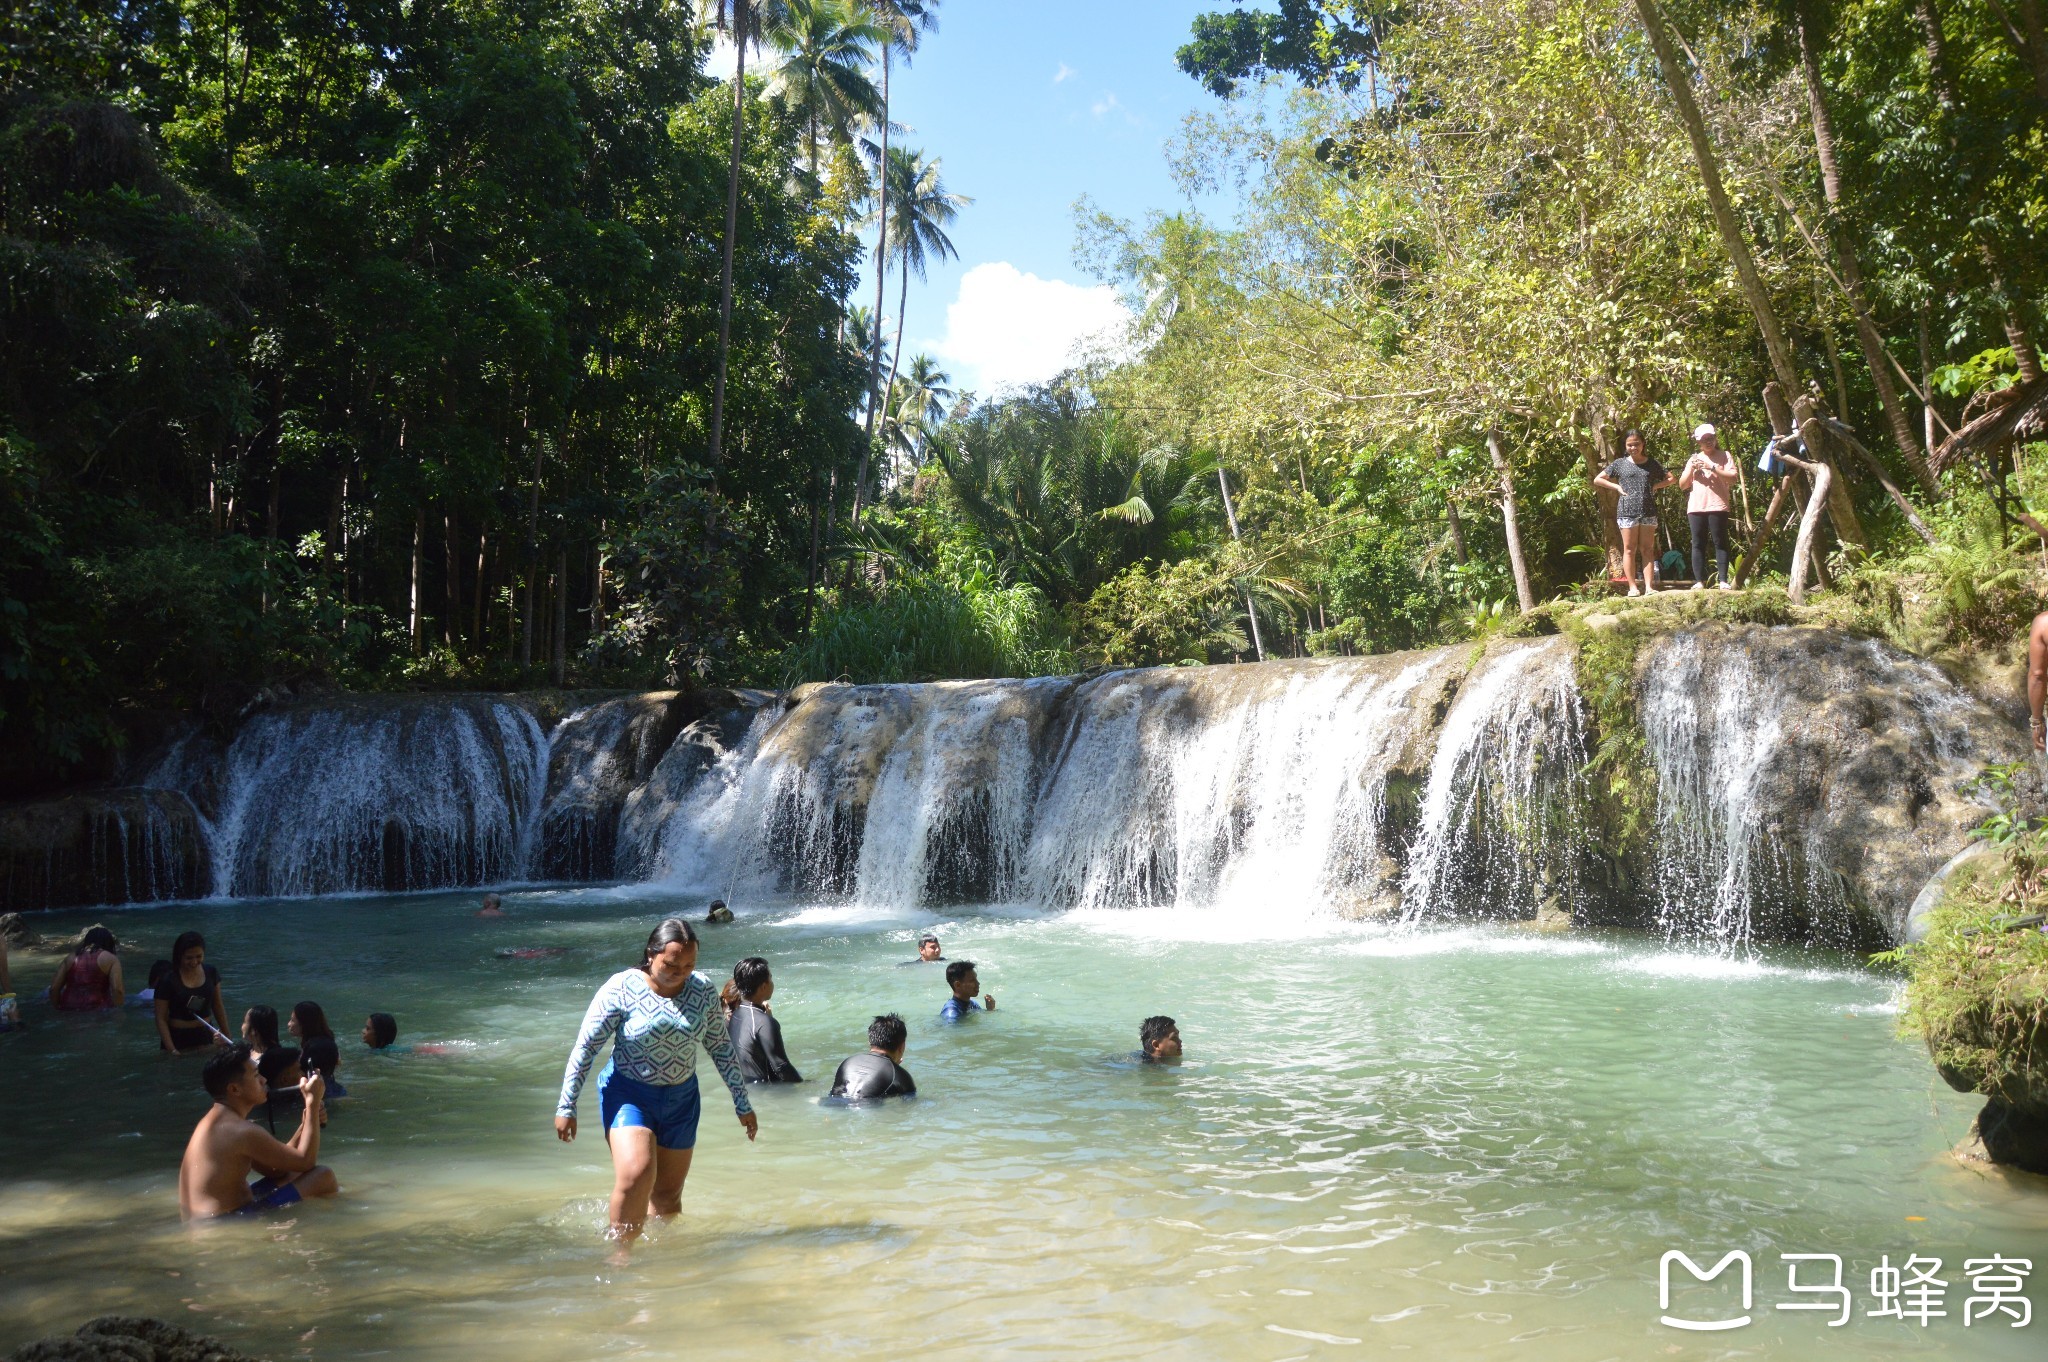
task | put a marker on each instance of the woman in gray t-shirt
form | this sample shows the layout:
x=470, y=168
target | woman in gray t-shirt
x=1636, y=478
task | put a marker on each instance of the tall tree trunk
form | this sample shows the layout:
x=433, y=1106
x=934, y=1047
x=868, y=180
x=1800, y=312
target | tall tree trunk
x=896, y=354
x=412, y=611
x=561, y=642
x=1230, y=514
x=1458, y=553
x=1847, y=261
x=476, y=616
x=451, y=573
x=1732, y=240
x=732, y=227
x=1525, y=595
x=860, y=481
x=1600, y=454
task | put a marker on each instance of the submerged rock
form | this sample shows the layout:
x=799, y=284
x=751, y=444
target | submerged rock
x=103, y=846
x=121, y=1338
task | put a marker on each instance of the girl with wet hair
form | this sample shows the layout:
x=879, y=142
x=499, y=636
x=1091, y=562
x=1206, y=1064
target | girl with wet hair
x=756, y=1035
x=656, y=1016
x=259, y=1030
x=89, y=980
x=316, y=1038
x=186, y=993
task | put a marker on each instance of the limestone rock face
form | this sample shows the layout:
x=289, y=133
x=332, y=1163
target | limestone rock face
x=1812, y=779
x=104, y=846
x=597, y=757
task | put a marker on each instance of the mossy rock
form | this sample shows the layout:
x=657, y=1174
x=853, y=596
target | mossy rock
x=1979, y=991
x=120, y=1338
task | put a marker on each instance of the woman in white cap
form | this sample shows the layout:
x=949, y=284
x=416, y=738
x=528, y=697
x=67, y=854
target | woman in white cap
x=1709, y=477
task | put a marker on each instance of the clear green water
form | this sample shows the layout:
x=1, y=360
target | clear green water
x=1465, y=1143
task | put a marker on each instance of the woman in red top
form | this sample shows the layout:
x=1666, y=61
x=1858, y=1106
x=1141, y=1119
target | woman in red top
x=89, y=980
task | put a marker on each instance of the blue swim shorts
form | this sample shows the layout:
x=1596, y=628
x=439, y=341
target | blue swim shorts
x=669, y=1110
x=270, y=1195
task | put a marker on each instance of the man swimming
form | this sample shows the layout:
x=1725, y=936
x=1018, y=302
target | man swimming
x=879, y=1073
x=1159, y=1040
x=213, y=1179
x=493, y=907
x=927, y=950
x=718, y=912
x=965, y=983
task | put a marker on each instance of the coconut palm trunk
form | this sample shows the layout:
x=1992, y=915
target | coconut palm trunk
x=867, y=449
x=732, y=226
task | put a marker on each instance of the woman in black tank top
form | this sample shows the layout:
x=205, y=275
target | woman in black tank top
x=186, y=994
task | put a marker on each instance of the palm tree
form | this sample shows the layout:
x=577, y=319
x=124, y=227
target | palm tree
x=906, y=22
x=742, y=19
x=822, y=79
x=920, y=405
x=921, y=207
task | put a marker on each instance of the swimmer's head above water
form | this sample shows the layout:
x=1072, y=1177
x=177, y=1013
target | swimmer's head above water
x=928, y=947
x=1159, y=1039
x=380, y=1030
x=888, y=1035
x=719, y=912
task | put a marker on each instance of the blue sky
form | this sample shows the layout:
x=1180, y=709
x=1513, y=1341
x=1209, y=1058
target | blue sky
x=1031, y=104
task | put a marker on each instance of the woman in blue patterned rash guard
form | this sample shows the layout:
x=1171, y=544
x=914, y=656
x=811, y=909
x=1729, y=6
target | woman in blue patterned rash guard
x=656, y=1016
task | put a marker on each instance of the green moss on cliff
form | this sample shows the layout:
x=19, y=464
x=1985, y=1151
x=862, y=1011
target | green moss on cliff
x=1978, y=987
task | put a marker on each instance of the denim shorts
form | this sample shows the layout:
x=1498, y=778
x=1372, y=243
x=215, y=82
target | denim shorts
x=1642, y=523
x=670, y=1110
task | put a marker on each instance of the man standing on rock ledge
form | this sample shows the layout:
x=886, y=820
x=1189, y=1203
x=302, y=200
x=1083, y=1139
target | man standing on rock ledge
x=2037, y=679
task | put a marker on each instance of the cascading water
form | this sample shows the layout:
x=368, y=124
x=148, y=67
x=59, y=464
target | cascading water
x=1221, y=785
x=376, y=796
x=1500, y=815
x=1785, y=761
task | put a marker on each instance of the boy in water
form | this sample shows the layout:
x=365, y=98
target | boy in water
x=213, y=1179
x=878, y=1073
x=927, y=950
x=1159, y=1041
x=493, y=907
x=965, y=983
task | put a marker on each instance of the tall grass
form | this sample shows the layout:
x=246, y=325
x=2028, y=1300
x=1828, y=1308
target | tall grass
x=924, y=628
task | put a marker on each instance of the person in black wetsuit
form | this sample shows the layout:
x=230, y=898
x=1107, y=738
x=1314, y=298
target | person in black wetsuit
x=879, y=1073
x=756, y=1035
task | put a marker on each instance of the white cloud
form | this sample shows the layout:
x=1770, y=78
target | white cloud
x=1065, y=72
x=1008, y=328
x=1103, y=105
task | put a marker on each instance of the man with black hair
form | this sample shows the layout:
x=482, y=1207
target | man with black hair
x=879, y=1073
x=965, y=983
x=1159, y=1040
x=756, y=1035
x=928, y=950
x=213, y=1179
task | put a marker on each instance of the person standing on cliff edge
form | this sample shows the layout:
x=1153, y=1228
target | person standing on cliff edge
x=2037, y=679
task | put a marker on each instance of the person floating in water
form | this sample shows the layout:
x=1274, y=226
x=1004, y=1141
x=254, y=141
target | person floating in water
x=226, y=1146
x=493, y=907
x=1159, y=1041
x=188, y=991
x=965, y=983
x=380, y=1030
x=879, y=1073
x=89, y=980
x=927, y=950
x=719, y=912
x=656, y=1015
x=756, y=1036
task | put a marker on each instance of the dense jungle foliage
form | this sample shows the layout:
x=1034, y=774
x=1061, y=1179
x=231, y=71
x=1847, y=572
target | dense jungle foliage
x=377, y=342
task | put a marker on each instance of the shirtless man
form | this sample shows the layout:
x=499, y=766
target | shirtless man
x=493, y=907
x=2037, y=679
x=226, y=1146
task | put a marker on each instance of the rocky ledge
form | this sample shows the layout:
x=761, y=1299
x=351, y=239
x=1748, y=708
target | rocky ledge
x=122, y=1338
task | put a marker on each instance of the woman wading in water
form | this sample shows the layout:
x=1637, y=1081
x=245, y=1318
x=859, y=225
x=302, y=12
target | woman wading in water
x=656, y=1016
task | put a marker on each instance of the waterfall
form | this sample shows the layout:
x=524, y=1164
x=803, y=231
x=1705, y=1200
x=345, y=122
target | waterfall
x=376, y=795
x=1787, y=761
x=1224, y=785
x=1500, y=814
